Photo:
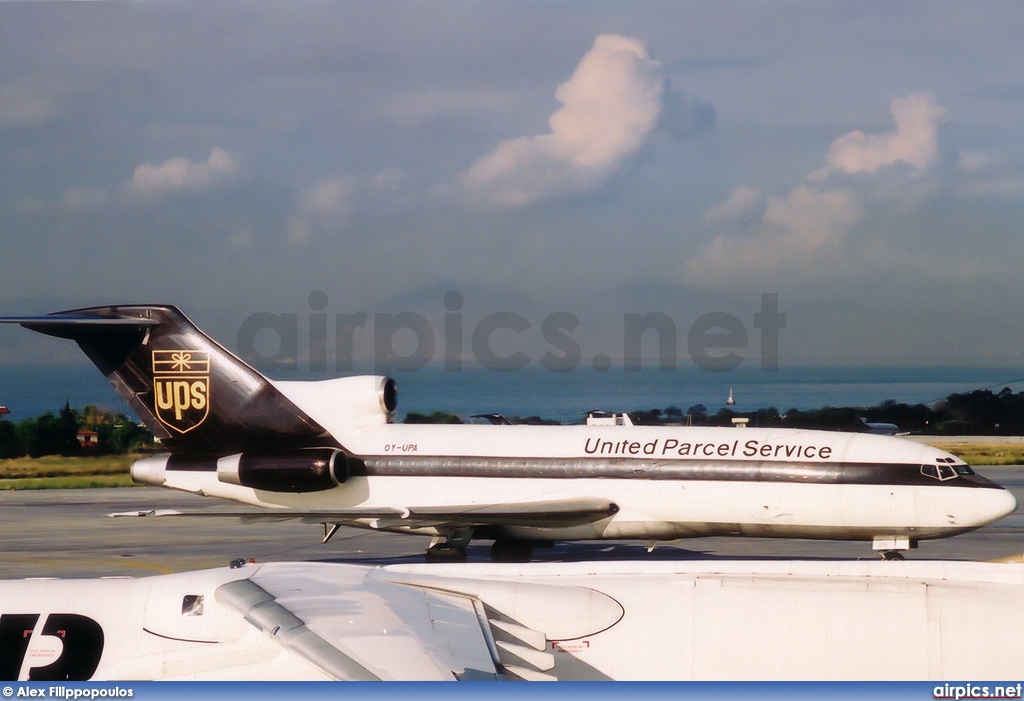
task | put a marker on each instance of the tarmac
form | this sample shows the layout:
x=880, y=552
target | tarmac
x=67, y=533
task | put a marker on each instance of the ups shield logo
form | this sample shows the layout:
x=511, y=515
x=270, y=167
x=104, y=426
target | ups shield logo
x=181, y=388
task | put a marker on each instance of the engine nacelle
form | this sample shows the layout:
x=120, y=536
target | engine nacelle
x=311, y=470
x=344, y=402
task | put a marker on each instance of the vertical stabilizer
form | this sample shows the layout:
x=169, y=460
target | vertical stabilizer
x=194, y=395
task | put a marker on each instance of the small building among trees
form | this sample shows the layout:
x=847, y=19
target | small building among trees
x=88, y=439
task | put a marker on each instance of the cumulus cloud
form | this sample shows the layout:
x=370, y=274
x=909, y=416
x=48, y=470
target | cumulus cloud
x=182, y=175
x=325, y=205
x=807, y=233
x=799, y=234
x=914, y=141
x=742, y=204
x=807, y=219
x=79, y=198
x=988, y=176
x=611, y=106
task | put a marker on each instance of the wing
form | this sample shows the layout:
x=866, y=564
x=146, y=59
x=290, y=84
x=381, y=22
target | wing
x=354, y=627
x=538, y=514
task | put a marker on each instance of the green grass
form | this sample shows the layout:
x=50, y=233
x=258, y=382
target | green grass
x=78, y=482
x=55, y=472
x=985, y=453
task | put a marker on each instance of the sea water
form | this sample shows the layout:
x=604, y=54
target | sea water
x=30, y=390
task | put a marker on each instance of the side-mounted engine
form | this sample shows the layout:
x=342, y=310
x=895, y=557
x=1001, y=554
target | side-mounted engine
x=296, y=471
x=313, y=470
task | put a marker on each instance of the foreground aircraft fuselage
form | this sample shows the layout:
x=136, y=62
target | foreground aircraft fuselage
x=552, y=621
x=325, y=452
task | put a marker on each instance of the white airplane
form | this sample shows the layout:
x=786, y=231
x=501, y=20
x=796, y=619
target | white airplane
x=725, y=620
x=326, y=452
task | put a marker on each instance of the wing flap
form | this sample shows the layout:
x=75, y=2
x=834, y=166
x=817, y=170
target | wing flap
x=332, y=516
x=561, y=512
x=352, y=627
x=261, y=609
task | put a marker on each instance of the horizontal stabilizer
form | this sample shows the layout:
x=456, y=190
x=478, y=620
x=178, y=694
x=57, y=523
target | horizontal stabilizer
x=55, y=321
x=538, y=514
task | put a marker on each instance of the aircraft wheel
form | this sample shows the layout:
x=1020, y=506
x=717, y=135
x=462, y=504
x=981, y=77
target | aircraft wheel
x=894, y=555
x=445, y=553
x=511, y=551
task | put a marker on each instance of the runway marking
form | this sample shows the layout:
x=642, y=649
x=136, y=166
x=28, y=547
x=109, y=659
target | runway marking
x=134, y=564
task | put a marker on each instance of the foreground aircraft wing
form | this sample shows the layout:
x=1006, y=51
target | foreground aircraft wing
x=365, y=630
x=539, y=514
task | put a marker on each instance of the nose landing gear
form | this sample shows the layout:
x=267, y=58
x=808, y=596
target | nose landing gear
x=890, y=547
x=453, y=549
x=891, y=555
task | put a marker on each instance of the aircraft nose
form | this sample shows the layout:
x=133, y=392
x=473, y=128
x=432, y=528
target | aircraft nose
x=1000, y=503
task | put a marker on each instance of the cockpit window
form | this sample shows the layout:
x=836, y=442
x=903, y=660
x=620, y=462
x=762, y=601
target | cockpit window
x=192, y=605
x=963, y=470
x=942, y=471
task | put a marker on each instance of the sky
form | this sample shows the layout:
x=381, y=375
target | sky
x=863, y=161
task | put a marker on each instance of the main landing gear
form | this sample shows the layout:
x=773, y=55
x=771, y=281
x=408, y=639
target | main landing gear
x=511, y=551
x=453, y=548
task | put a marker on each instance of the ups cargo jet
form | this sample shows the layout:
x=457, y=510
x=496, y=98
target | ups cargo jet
x=326, y=452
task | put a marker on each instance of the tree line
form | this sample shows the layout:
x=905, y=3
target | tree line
x=980, y=412
x=50, y=434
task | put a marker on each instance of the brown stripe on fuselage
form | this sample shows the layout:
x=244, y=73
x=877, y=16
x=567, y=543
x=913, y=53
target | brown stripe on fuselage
x=907, y=474
x=651, y=469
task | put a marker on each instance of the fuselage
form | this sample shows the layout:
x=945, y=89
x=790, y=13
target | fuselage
x=668, y=482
